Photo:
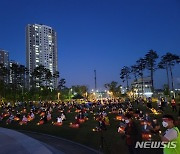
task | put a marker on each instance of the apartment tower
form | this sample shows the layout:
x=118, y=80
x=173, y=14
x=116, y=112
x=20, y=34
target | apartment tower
x=41, y=49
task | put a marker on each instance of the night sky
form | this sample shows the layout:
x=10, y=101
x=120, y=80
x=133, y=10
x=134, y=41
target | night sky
x=96, y=34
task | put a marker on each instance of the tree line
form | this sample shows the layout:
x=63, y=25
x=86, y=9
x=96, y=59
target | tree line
x=16, y=83
x=150, y=62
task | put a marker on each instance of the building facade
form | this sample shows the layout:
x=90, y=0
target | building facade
x=4, y=60
x=142, y=87
x=41, y=49
x=17, y=74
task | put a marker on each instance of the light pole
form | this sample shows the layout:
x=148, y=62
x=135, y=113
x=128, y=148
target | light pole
x=95, y=80
x=70, y=93
x=59, y=95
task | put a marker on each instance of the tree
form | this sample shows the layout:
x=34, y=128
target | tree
x=48, y=77
x=61, y=84
x=166, y=89
x=164, y=65
x=38, y=75
x=80, y=89
x=14, y=73
x=125, y=75
x=56, y=77
x=22, y=70
x=64, y=93
x=141, y=64
x=4, y=72
x=114, y=88
x=150, y=58
x=134, y=71
x=168, y=61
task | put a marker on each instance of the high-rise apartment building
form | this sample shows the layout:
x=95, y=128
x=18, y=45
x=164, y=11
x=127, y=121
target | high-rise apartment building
x=41, y=49
x=4, y=58
x=17, y=73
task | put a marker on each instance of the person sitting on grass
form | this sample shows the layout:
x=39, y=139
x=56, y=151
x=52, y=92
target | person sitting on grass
x=32, y=115
x=48, y=116
x=147, y=117
x=10, y=119
x=81, y=115
x=59, y=119
x=120, y=111
x=44, y=118
x=141, y=115
x=86, y=114
x=24, y=119
x=101, y=124
x=18, y=114
x=146, y=127
x=63, y=117
x=122, y=123
x=106, y=120
x=155, y=127
x=172, y=134
x=104, y=114
x=77, y=120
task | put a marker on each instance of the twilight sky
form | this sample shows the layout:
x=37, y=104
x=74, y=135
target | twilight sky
x=96, y=34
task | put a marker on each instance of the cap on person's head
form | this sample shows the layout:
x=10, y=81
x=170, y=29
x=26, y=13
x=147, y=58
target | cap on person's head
x=168, y=117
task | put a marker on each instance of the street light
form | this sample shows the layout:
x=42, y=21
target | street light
x=70, y=92
x=59, y=95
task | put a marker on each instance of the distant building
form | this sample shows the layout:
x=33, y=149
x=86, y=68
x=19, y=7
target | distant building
x=142, y=87
x=41, y=49
x=4, y=60
x=17, y=73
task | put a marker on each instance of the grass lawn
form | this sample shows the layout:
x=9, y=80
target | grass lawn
x=113, y=141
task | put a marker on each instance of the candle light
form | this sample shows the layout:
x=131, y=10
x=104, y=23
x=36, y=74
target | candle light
x=16, y=119
x=118, y=117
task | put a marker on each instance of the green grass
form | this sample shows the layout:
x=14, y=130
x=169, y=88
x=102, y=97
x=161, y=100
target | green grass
x=84, y=135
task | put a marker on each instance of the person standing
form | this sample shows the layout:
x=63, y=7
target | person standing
x=131, y=134
x=173, y=104
x=155, y=126
x=149, y=102
x=162, y=103
x=172, y=134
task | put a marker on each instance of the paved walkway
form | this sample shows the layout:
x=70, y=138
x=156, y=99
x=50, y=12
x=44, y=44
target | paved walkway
x=66, y=146
x=13, y=142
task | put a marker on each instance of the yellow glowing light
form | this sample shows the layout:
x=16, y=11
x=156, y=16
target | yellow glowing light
x=154, y=111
